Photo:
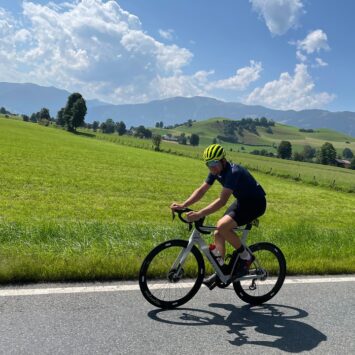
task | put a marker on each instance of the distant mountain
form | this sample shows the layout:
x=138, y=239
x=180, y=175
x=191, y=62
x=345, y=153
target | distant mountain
x=180, y=109
x=28, y=98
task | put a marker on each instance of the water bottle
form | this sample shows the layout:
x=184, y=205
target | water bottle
x=216, y=254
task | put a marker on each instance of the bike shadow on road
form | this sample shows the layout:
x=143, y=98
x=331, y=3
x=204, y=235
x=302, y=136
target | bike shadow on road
x=275, y=326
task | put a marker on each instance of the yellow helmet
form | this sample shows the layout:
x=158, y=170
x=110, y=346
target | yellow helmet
x=214, y=152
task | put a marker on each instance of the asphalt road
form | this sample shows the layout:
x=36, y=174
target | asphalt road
x=305, y=317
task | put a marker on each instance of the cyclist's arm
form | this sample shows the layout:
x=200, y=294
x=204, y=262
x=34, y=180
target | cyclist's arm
x=216, y=204
x=197, y=195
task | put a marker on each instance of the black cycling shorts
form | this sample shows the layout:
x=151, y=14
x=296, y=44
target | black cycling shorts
x=245, y=211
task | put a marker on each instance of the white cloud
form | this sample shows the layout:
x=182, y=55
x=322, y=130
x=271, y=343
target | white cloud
x=279, y=15
x=314, y=42
x=199, y=83
x=290, y=92
x=242, y=78
x=87, y=42
x=320, y=63
x=300, y=56
x=102, y=51
x=167, y=34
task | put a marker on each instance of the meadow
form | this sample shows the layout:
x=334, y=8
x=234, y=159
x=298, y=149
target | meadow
x=79, y=208
x=308, y=173
x=211, y=128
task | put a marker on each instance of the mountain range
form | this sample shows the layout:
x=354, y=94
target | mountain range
x=28, y=98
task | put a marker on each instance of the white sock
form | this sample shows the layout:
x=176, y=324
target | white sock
x=245, y=255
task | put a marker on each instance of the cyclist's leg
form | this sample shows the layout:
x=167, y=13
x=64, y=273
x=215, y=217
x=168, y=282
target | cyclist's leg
x=224, y=232
x=239, y=213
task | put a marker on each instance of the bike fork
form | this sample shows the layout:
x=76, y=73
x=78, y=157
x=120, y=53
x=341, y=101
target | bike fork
x=180, y=260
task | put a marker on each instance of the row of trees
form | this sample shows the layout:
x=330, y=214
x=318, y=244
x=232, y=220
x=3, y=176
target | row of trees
x=3, y=111
x=194, y=140
x=234, y=129
x=71, y=116
x=326, y=155
x=109, y=127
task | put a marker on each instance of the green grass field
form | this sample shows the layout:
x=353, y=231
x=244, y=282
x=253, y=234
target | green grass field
x=313, y=174
x=211, y=128
x=78, y=208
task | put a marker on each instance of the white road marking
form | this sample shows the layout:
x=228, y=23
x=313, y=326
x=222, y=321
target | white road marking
x=8, y=292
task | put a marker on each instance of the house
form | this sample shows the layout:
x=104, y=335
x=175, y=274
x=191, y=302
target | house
x=169, y=138
x=342, y=163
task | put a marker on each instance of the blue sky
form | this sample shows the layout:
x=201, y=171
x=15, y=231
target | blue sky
x=283, y=54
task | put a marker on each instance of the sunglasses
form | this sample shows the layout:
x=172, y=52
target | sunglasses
x=212, y=163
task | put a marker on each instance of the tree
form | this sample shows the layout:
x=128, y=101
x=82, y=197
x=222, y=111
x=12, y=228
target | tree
x=309, y=152
x=194, y=139
x=352, y=164
x=33, y=118
x=156, y=141
x=103, y=127
x=121, y=128
x=284, y=150
x=60, y=117
x=108, y=126
x=25, y=118
x=298, y=156
x=95, y=125
x=78, y=113
x=74, y=112
x=3, y=111
x=44, y=114
x=159, y=124
x=263, y=122
x=142, y=132
x=327, y=154
x=182, y=139
x=347, y=153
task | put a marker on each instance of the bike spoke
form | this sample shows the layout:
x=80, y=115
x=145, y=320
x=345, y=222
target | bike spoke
x=269, y=269
x=165, y=278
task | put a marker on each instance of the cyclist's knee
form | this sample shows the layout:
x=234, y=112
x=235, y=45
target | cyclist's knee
x=217, y=233
x=221, y=229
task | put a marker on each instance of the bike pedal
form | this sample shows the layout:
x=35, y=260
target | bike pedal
x=211, y=282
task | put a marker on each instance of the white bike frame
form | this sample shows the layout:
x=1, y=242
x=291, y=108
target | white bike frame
x=197, y=239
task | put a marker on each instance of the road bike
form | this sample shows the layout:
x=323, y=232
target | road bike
x=172, y=273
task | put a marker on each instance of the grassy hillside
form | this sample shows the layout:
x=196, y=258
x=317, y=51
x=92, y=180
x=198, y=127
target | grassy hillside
x=209, y=129
x=75, y=208
x=314, y=174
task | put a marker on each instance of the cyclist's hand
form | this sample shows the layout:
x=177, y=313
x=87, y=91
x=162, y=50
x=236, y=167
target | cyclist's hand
x=176, y=206
x=193, y=216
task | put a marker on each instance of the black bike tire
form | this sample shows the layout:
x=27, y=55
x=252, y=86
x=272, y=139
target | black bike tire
x=257, y=300
x=144, y=268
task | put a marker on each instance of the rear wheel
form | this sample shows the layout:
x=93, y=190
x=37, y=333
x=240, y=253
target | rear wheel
x=166, y=283
x=269, y=268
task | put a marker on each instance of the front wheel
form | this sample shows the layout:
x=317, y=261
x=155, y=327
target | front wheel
x=269, y=268
x=164, y=281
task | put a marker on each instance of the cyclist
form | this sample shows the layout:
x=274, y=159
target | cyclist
x=250, y=203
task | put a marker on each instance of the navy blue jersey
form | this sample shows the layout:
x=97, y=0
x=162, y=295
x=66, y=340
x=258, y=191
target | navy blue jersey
x=238, y=179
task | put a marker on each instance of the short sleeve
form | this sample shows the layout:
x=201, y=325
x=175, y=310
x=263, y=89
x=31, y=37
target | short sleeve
x=210, y=179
